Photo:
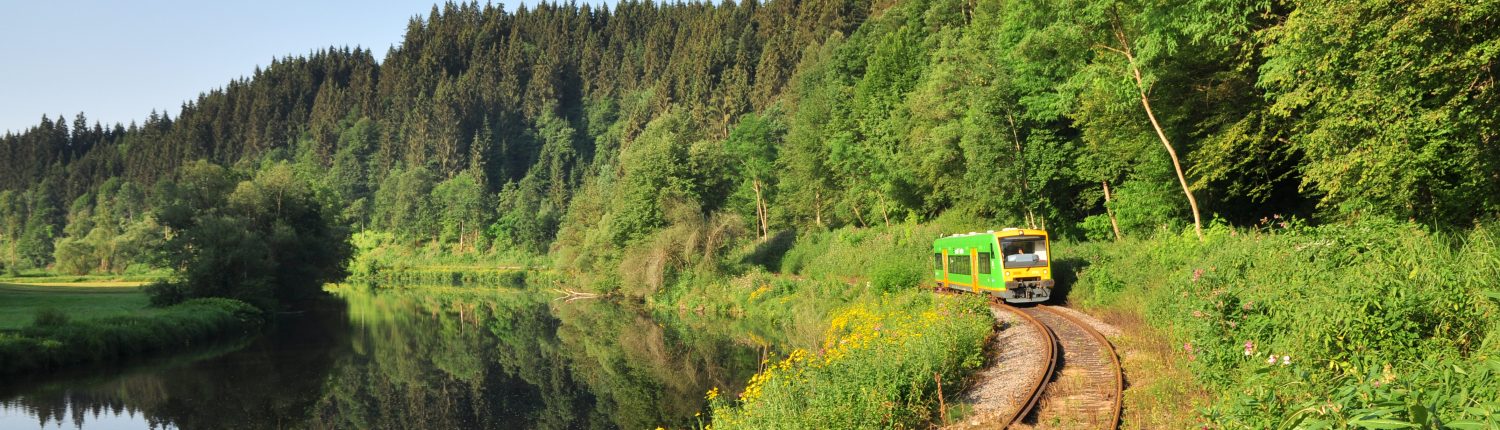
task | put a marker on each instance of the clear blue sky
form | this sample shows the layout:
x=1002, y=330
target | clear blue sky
x=117, y=60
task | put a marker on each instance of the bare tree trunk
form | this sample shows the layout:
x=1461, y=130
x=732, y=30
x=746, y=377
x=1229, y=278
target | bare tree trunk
x=1140, y=86
x=765, y=213
x=857, y=215
x=760, y=209
x=765, y=218
x=726, y=121
x=818, y=207
x=885, y=212
x=1110, y=211
x=461, y=236
x=1021, y=161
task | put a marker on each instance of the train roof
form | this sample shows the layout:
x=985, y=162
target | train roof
x=1006, y=232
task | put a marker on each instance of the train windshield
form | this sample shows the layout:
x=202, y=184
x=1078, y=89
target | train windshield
x=1024, y=251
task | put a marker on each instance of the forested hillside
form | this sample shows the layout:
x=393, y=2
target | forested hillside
x=584, y=131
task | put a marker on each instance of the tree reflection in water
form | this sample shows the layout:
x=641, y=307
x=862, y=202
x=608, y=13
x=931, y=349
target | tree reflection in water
x=427, y=358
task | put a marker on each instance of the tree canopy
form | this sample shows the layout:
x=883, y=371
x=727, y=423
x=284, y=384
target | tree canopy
x=578, y=130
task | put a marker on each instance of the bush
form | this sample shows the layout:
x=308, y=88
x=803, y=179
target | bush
x=49, y=317
x=165, y=293
x=895, y=276
x=876, y=367
x=1368, y=321
x=266, y=240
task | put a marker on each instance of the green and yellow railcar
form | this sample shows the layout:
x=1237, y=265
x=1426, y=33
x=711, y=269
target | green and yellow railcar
x=1013, y=264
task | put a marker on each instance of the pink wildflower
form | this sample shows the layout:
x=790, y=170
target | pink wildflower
x=1187, y=347
x=1249, y=348
x=1286, y=359
x=1271, y=359
x=1197, y=273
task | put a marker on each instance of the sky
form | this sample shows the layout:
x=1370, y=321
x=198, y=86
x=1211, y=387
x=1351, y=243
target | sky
x=115, y=61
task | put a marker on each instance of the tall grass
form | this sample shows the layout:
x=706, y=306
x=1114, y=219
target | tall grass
x=861, y=342
x=55, y=340
x=1374, y=324
x=879, y=366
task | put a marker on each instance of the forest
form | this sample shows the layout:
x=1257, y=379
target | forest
x=579, y=131
x=1196, y=157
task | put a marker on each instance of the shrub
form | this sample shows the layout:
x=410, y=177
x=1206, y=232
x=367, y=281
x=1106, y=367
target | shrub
x=266, y=241
x=876, y=367
x=49, y=317
x=1374, y=320
x=893, y=276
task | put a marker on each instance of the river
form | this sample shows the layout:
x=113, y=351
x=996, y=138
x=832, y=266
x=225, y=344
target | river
x=439, y=357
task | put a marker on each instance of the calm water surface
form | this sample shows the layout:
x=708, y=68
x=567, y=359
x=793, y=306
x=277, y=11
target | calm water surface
x=440, y=358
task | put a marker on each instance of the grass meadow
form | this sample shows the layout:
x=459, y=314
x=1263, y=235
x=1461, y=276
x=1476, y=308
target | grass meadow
x=21, y=303
x=48, y=325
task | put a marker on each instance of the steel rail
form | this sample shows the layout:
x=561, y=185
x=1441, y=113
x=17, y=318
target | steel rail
x=1049, y=364
x=1107, y=348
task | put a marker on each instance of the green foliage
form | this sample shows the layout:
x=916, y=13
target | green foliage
x=1383, y=99
x=59, y=341
x=1368, y=321
x=636, y=146
x=891, y=254
x=49, y=317
x=897, y=277
x=266, y=242
x=402, y=204
x=879, y=367
x=463, y=208
x=656, y=171
x=569, y=129
x=107, y=232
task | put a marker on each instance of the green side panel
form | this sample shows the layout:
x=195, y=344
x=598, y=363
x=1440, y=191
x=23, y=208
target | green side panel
x=980, y=242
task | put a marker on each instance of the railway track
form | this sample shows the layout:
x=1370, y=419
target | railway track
x=1081, y=382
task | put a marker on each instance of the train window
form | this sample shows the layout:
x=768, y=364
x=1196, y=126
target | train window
x=984, y=263
x=958, y=264
x=1024, y=251
x=937, y=261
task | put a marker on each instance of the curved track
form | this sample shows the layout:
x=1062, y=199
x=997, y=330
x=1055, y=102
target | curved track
x=1081, y=382
x=1048, y=364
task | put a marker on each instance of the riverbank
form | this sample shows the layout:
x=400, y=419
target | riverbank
x=1275, y=325
x=866, y=344
x=47, y=277
x=46, y=327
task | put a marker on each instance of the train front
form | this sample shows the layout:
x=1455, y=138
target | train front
x=1026, y=259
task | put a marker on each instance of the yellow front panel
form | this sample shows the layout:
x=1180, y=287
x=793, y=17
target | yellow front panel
x=1043, y=272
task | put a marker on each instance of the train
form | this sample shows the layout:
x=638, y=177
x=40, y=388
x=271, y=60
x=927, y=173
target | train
x=1013, y=264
